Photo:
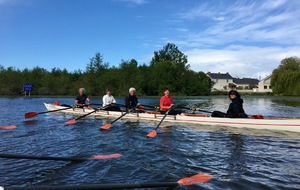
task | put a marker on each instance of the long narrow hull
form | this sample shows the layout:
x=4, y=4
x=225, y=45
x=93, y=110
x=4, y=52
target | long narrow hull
x=279, y=124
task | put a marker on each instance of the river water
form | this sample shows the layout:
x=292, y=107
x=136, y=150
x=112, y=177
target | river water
x=237, y=159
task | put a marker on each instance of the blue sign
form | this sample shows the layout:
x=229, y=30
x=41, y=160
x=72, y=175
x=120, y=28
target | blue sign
x=27, y=87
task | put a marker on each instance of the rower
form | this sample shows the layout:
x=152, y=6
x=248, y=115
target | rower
x=108, y=100
x=131, y=101
x=81, y=99
x=166, y=102
x=235, y=109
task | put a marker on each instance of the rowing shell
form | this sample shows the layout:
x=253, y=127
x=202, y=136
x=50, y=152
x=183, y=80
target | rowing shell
x=278, y=124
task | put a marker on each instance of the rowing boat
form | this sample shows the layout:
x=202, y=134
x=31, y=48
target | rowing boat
x=278, y=124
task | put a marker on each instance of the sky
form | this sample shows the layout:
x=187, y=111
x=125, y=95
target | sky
x=243, y=37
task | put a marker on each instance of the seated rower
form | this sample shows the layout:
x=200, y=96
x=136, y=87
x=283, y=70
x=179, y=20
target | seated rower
x=131, y=101
x=81, y=99
x=235, y=109
x=166, y=102
x=108, y=100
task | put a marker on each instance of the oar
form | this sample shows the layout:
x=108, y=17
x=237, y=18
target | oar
x=195, y=179
x=8, y=127
x=153, y=133
x=32, y=157
x=203, y=111
x=33, y=114
x=149, y=106
x=72, y=121
x=195, y=109
x=107, y=126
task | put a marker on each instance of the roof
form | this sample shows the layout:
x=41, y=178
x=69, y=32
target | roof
x=267, y=77
x=219, y=75
x=250, y=81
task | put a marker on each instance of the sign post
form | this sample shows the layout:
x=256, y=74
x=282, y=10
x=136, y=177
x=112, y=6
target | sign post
x=27, y=88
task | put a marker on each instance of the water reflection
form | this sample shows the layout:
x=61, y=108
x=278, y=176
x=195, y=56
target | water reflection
x=236, y=160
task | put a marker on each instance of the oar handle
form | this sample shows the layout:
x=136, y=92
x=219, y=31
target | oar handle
x=32, y=157
x=98, y=186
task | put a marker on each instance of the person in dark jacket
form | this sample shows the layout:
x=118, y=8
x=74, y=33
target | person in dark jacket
x=82, y=98
x=235, y=109
x=131, y=101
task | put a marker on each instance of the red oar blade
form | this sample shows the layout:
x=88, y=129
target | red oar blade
x=105, y=127
x=8, y=127
x=108, y=156
x=152, y=134
x=30, y=114
x=198, y=178
x=70, y=122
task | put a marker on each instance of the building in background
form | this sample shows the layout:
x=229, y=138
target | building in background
x=221, y=81
x=225, y=82
x=265, y=85
x=246, y=83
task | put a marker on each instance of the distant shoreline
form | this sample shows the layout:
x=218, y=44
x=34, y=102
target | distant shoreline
x=219, y=93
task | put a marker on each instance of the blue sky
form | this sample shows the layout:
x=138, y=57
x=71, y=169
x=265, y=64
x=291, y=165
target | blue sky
x=245, y=38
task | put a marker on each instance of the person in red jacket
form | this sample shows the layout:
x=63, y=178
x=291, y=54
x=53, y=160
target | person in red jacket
x=166, y=102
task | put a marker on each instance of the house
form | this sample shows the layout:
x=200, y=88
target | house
x=245, y=83
x=265, y=85
x=221, y=80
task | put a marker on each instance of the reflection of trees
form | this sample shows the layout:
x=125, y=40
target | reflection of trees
x=236, y=160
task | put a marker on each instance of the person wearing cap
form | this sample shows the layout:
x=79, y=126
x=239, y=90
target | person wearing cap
x=166, y=102
x=108, y=100
x=81, y=99
x=235, y=109
x=131, y=101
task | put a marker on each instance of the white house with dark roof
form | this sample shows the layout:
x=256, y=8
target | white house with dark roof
x=221, y=80
x=265, y=85
x=245, y=83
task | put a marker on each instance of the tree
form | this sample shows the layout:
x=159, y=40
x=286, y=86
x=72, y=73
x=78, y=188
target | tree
x=95, y=72
x=286, y=78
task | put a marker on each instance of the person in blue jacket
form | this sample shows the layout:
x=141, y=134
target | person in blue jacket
x=235, y=109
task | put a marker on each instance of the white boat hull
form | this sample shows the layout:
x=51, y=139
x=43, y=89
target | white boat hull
x=278, y=124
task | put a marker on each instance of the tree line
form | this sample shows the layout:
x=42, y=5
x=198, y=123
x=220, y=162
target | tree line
x=168, y=68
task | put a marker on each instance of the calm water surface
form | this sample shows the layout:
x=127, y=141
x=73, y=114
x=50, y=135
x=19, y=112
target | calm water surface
x=237, y=159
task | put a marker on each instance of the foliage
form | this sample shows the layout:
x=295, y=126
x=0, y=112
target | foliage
x=168, y=68
x=286, y=78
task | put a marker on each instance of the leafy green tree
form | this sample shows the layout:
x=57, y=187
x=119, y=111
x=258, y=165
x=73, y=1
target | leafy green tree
x=286, y=78
x=95, y=72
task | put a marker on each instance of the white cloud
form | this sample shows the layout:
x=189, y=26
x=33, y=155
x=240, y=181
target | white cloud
x=241, y=61
x=244, y=38
x=245, y=21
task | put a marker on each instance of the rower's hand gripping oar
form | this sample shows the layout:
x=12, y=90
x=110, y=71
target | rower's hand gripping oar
x=153, y=133
x=195, y=179
x=107, y=126
x=33, y=114
x=71, y=159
